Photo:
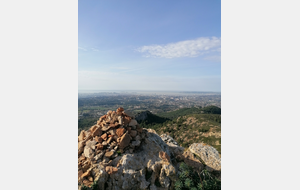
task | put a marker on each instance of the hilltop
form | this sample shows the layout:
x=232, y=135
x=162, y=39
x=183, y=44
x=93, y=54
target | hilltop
x=117, y=153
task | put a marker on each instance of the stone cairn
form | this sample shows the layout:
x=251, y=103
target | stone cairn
x=115, y=133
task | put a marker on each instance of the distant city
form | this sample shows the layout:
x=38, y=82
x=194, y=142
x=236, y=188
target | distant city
x=97, y=103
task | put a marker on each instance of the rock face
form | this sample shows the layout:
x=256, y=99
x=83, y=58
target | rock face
x=208, y=154
x=118, y=154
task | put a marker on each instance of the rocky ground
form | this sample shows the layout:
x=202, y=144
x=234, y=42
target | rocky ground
x=117, y=153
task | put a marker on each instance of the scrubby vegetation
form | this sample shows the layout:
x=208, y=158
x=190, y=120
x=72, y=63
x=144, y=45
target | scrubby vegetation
x=85, y=123
x=189, y=111
x=190, y=179
x=188, y=129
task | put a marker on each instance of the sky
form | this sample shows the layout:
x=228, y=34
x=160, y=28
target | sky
x=170, y=45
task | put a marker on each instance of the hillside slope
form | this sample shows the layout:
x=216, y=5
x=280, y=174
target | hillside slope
x=188, y=125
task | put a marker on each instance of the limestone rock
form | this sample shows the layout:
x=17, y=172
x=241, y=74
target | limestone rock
x=120, y=131
x=120, y=120
x=111, y=170
x=99, y=146
x=88, y=152
x=91, y=144
x=98, y=139
x=120, y=109
x=97, y=132
x=164, y=156
x=104, y=136
x=208, y=154
x=126, y=120
x=108, y=154
x=135, y=143
x=112, y=131
x=124, y=141
x=133, y=122
x=99, y=156
x=93, y=128
x=191, y=160
x=82, y=135
x=121, y=156
x=90, y=178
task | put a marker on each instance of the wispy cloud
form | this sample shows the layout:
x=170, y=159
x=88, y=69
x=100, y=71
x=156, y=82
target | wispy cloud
x=188, y=48
x=81, y=48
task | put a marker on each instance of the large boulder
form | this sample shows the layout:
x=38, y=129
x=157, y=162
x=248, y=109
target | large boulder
x=208, y=154
x=132, y=168
x=139, y=170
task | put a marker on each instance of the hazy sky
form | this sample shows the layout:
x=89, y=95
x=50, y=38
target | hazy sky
x=149, y=45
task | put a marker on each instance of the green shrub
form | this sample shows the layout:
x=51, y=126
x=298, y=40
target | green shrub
x=190, y=179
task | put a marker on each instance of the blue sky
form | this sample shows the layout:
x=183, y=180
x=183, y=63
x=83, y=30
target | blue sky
x=149, y=45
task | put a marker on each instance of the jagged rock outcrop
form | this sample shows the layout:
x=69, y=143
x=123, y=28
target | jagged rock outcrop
x=208, y=154
x=117, y=154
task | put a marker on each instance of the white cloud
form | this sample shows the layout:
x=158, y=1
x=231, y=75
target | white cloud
x=188, y=48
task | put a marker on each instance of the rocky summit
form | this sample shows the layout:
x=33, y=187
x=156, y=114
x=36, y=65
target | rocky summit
x=117, y=154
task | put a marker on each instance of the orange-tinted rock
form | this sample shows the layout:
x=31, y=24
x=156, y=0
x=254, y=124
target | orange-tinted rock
x=80, y=172
x=110, y=135
x=120, y=109
x=86, y=174
x=164, y=156
x=108, y=154
x=120, y=132
x=124, y=141
x=110, y=169
x=90, y=178
x=97, y=132
x=81, y=144
x=104, y=136
x=109, y=140
x=112, y=125
x=105, y=127
x=99, y=146
x=80, y=150
x=93, y=128
x=82, y=135
x=87, y=182
x=98, y=139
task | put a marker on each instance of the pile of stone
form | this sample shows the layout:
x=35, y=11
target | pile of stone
x=115, y=133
